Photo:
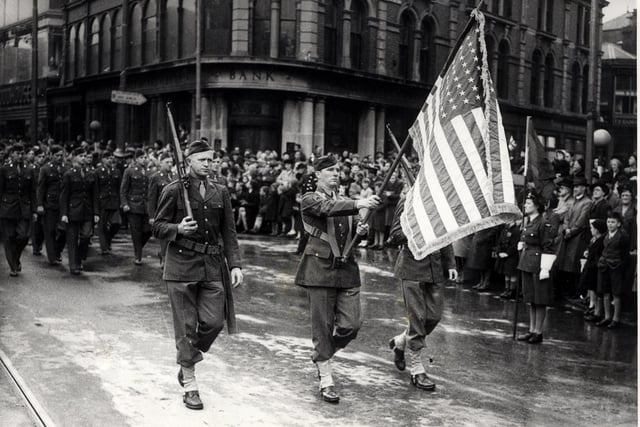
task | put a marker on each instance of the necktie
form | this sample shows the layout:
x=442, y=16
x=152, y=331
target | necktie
x=203, y=190
x=82, y=172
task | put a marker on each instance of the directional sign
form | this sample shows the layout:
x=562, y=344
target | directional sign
x=132, y=98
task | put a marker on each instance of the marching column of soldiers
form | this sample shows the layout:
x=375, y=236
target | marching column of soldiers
x=58, y=198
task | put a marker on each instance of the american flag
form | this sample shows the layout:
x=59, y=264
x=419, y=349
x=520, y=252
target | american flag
x=464, y=184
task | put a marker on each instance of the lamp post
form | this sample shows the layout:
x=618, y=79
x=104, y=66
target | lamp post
x=34, y=75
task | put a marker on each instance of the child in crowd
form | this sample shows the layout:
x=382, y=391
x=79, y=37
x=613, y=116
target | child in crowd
x=589, y=274
x=507, y=258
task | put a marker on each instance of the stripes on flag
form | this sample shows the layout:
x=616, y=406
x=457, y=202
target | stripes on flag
x=464, y=184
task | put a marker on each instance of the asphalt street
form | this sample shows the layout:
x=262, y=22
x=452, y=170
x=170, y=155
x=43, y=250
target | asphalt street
x=98, y=350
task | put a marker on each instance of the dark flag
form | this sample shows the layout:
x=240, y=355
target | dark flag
x=538, y=168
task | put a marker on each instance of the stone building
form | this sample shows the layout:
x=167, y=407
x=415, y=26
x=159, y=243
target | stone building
x=325, y=73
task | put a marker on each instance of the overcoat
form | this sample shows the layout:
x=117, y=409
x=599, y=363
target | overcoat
x=49, y=186
x=79, y=195
x=108, y=187
x=572, y=246
x=17, y=191
x=538, y=239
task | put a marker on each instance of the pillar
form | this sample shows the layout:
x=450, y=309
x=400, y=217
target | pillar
x=218, y=114
x=275, y=29
x=306, y=125
x=346, y=39
x=205, y=117
x=380, y=129
x=240, y=28
x=318, y=126
x=367, y=132
x=308, y=34
x=290, y=122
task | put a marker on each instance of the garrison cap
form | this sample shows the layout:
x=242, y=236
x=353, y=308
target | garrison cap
x=165, y=156
x=198, y=146
x=139, y=153
x=78, y=151
x=324, y=162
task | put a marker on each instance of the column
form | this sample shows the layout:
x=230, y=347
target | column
x=205, y=117
x=566, y=81
x=522, y=68
x=417, y=46
x=346, y=39
x=380, y=129
x=308, y=43
x=318, y=126
x=161, y=113
x=275, y=28
x=381, y=39
x=367, y=132
x=306, y=125
x=218, y=124
x=290, y=122
x=240, y=28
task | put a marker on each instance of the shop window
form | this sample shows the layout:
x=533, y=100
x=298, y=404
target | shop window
x=117, y=40
x=503, y=70
x=81, y=51
x=625, y=95
x=150, y=33
x=135, y=54
x=332, y=31
x=549, y=69
x=287, y=45
x=188, y=27
x=105, y=40
x=575, y=88
x=357, y=48
x=405, y=49
x=217, y=27
x=534, y=87
x=261, y=30
x=171, y=30
x=427, y=54
x=94, y=47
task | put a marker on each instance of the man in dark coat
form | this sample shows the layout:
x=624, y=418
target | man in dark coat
x=79, y=207
x=17, y=206
x=332, y=281
x=133, y=198
x=199, y=250
x=157, y=182
x=37, y=159
x=108, y=176
x=48, y=196
x=423, y=290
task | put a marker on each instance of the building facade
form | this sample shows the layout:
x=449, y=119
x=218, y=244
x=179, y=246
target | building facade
x=319, y=73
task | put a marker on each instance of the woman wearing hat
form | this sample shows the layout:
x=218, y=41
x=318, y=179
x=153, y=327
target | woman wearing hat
x=536, y=258
x=599, y=205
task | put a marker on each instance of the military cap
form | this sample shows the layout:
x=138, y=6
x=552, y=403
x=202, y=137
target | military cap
x=198, y=146
x=55, y=149
x=139, y=153
x=107, y=153
x=78, y=151
x=165, y=156
x=537, y=200
x=324, y=162
x=119, y=153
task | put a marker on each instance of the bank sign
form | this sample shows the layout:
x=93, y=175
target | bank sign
x=131, y=98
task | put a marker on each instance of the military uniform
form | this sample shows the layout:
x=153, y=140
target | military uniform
x=37, y=230
x=48, y=195
x=133, y=193
x=195, y=267
x=538, y=237
x=334, y=290
x=109, y=201
x=17, y=206
x=158, y=181
x=79, y=203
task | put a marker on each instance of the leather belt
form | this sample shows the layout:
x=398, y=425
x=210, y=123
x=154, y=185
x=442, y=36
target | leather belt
x=201, y=248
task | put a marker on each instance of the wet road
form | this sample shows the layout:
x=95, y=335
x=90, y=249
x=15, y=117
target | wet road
x=98, y=350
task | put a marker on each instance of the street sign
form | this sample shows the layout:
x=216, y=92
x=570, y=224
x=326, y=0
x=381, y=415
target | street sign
x=132, y=98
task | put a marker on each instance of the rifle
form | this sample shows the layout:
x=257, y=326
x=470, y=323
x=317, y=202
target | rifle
x=180, y=164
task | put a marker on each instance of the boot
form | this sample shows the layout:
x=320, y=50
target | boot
x=327, y=387
x=419, y=376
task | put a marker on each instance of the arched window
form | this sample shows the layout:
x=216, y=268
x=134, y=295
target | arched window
x=135, y=34
x=549, y=69
x=71, y=53
x=105, y=39
x=585, y=89
x=287, y=45
x=502, y=79
x=534, y=88
x=81, y=52
x=575, y=88
x=261, y=30
x=149, y=33
x=94, y=47
x=188, y=27
x=217, y=27
x=117, y=40
x=171, y=30
x=427, y=54
x=358, y=48
x=332, y=31
x=405, y=51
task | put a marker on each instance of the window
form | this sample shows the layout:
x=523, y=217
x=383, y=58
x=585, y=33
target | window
x=549, y=69
x=171, y=30
x=135, y=31
x=427, y=54
x=536, y=68
x=333, y=10
x=585, y=88
x=502, y=78
x=71, y=53
x=217, y=27
x=188, y=26
x=117, y=40
x=545, y=15
x=287, y=43
x=357, y=49
x=625, y=96
x=149, y=35
x=105, y=38
x=405, y=51
x=575, y=88
x=261, y=31
x=81, y=52
x=94, y=47
x=501, y=7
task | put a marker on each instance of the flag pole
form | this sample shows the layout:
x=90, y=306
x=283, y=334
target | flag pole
x=524, y=198
x=405, y=164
